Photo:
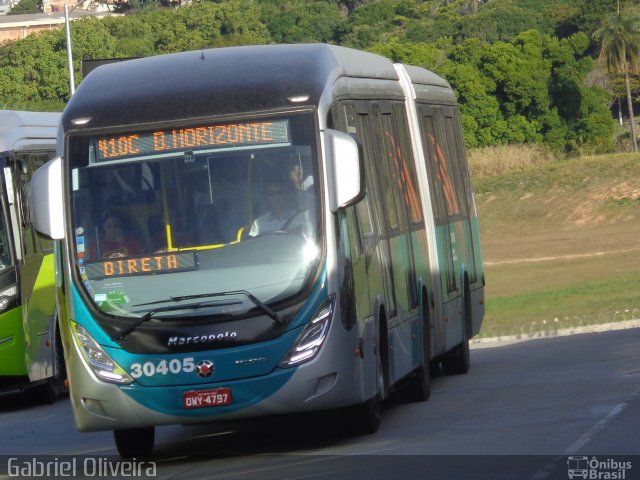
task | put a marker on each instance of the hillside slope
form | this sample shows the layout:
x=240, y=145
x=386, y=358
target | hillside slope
x=561, y=244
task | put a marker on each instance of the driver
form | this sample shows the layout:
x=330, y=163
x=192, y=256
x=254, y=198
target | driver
x=280, y=216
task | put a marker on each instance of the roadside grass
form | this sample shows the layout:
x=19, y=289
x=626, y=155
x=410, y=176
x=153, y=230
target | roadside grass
x=487, y=161
x=561, y=243
x=580, y=304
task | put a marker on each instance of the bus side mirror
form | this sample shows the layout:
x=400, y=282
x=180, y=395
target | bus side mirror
x=344, y=169
x=46, y=200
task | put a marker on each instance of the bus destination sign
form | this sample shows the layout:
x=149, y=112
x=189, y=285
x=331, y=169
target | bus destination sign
x=171, y=262
x=192, y=138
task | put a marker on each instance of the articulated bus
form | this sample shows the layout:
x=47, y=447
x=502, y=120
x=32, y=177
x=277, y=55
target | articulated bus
x=295, y=231
x=30, y=352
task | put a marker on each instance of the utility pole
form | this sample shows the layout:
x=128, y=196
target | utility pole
x=72, y=82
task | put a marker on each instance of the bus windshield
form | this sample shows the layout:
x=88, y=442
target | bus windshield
x=196, y=209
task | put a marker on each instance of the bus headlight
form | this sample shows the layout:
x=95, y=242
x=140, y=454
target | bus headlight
x=6, y=295
x=308, y=343
x=98, y=360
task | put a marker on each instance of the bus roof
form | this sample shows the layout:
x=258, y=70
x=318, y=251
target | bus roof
x=222, y=81
x=427, y=85
x=24, y=130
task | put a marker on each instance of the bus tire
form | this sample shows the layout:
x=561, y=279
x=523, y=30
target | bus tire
x=458, y=360
x=47, y=392
x=364, y=419
x=52, y=388
x=135, y=442
x=418, y=388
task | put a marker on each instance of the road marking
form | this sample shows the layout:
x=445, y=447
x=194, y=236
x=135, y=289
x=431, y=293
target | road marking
x=602, y=424
x=586, y=437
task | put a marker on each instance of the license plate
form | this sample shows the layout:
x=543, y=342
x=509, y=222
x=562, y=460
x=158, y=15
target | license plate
x=207, y=398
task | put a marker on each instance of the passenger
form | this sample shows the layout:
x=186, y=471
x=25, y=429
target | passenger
x=296, y=175
x=302, y=186
x=114, y=242
x=280, y=216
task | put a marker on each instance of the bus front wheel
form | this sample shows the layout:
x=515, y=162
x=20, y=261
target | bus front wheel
x=457, y=361
x=365, y=418
x=135, y=442
x=51, y=389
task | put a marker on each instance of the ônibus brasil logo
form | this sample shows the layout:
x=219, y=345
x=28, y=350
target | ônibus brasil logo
x=597, y=469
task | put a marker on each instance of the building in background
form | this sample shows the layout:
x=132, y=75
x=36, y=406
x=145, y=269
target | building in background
x=15, y=27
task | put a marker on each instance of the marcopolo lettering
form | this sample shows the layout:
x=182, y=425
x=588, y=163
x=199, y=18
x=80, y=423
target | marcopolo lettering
x=202, y=339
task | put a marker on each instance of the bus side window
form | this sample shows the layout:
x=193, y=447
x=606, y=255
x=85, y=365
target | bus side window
x=407, y=182
x=345, y=118
x=5, y=256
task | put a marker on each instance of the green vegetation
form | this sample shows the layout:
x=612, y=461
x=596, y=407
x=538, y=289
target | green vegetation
x=620, y=40
x=523, y=69
x=24, y=7
x=577, y=304
x=560, y=240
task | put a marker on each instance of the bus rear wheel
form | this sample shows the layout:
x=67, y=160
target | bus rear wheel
x=458, y=360
x=135, y=442
x=418, y=388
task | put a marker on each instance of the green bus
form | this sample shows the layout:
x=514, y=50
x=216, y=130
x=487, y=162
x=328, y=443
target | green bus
x=30, y=352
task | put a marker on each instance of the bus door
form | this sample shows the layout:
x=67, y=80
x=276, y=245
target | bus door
x=396, y=215
x=445, y=203
x=36, y=269
x=454, y=130
x=405, y=335
x=11, y=332
x=359, y=226
x=378, y=245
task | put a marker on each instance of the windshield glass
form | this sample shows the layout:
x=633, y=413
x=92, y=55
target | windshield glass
x=198, y=209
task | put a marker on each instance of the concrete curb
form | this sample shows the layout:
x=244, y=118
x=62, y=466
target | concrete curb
x=499, y=341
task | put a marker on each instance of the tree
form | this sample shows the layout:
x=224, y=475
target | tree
x=299, y=21
x=587, y=18
x=24, y=7
x=369, y=24
x=619, y=39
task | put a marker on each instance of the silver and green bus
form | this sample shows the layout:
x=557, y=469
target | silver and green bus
x=30, y=352
x=297, y=233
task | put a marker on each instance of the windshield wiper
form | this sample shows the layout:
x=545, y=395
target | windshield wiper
x=151, y=314
x=259, y=303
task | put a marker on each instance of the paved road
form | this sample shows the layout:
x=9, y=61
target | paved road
x=522, y=411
